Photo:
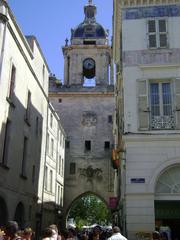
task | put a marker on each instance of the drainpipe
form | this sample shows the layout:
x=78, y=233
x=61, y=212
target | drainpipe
x=3, y=20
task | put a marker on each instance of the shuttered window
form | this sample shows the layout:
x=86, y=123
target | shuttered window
x=143, y=109
x=177, y=102
x=158, y=104
x=157, y=33
x=162, y=116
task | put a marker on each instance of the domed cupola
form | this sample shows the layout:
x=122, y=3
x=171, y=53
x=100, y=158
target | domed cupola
x=89, y=31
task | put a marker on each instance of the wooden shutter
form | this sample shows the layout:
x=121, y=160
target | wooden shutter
x=177, y=102
x=143, y=109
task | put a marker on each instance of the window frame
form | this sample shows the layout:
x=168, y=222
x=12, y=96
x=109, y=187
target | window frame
x=157, y=33
x=160, y=82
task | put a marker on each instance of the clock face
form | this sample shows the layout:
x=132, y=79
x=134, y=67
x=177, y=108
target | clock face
x=89, y=63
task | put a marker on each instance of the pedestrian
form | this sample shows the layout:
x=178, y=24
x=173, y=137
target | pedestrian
x=116, y=234
x=27, y=234
x=11, y=231
x=55, y=231
x=47, y=234
x=156, y=235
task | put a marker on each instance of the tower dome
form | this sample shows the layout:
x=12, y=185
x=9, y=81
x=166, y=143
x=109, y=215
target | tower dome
x=89, y=29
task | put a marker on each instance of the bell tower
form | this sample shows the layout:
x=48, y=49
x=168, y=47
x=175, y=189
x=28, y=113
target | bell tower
x=85, y=103
x=87, y=57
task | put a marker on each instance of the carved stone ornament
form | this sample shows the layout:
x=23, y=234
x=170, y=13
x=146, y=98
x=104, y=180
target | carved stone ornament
x=89, y=119
x=91, y=173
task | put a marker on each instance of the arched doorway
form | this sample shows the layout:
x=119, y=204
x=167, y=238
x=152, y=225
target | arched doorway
x=167, y=204
x=88, y=209
x=19, y=215
x=3, y=212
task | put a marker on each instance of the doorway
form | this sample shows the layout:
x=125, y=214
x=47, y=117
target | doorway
x=167, y=214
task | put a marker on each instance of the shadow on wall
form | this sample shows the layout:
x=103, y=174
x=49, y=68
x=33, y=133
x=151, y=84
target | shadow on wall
x=20, y=155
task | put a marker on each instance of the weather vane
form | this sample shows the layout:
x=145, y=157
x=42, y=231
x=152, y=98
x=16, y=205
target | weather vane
x=90, y=2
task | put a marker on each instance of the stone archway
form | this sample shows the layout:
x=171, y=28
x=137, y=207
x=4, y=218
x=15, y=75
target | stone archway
x=20, y=215
x=84, y=195
x=167, y=205
x=3, y=212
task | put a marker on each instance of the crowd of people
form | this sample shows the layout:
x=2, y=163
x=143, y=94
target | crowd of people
x=11, y=232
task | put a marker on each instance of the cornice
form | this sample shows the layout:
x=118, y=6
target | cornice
x=134, y=3
x=81, y=94
x=152, y=137
x=71, y=47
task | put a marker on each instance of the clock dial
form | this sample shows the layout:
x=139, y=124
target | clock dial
x=89, y=63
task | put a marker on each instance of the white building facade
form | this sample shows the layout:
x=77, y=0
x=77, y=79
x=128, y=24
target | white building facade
x=24, y=116
x=53, y=189
x=151, y=133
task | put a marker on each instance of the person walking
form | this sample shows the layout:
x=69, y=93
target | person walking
x=116, y=235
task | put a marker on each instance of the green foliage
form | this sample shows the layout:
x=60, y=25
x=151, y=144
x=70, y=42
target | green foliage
x=89, y=210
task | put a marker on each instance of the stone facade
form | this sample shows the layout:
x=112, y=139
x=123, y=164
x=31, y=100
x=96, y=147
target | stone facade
x=86, y=113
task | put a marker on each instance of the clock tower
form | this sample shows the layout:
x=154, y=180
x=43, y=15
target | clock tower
x=85, y=104
x=87, y=58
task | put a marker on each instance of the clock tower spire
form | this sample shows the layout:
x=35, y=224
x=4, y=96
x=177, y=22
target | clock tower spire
x=87, y=57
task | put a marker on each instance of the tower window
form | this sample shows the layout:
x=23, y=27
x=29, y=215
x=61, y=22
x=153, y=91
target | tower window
x=67, y=142
x=110, y=119
x=72, y=169
x=87, y=145
x=106, y=145
x=89, y=42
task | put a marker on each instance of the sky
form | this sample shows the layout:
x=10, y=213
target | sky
x=51, y=22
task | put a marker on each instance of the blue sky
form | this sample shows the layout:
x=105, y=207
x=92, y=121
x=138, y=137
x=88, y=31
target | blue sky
x=51, y=22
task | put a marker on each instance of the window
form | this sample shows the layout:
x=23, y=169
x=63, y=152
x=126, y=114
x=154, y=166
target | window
x=46, y=178
x=43, y=74
x=157, y=33
x=110, y=119
x=52, y=147
x=106, y=145
x=87, y=145
x=159, y=104
x=72, y=169
x=24, y=160
x=47, y=149
x=67, y=144
x=51, y=181
x=60, y=138
x=60, y=100
x=51, y=120
x=6, y=143
x=162, y=116
x=59, y=167
x=62, y=167
x=61, y=199
x=28, y=109
x=12, y=82
x=58, y=198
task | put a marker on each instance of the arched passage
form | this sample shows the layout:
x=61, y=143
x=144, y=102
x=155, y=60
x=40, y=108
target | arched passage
x=167, y=204
x=20, y=215
x=88, y=209
x=3, y=212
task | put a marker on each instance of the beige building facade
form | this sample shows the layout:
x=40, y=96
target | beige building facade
x=151, y=134
x=24, y=116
